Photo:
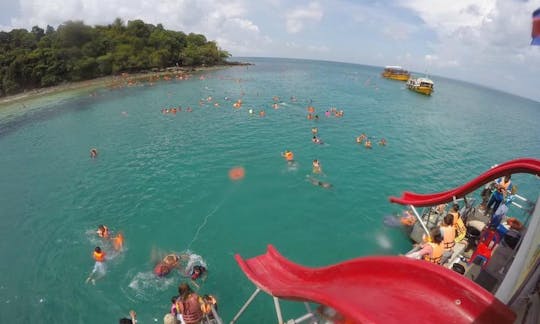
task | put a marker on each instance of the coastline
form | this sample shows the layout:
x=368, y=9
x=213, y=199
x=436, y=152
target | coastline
x=113, y=81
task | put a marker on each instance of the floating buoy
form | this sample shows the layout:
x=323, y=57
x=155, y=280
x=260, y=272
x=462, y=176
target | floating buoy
x=237, y=173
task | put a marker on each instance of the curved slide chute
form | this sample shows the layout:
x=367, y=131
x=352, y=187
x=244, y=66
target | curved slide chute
x=379, y=289
x=523, y=165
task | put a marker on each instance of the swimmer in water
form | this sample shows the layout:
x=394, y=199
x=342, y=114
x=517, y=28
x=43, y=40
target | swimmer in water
x=316, y=140
x=93, y=153
x=368, y=144
x=103, y=231
x=118, y=242
x=382, y=142
x=316, y=182
x=289, y=156
x=165, y=266
x=317, y=166
x=314, y=130
x=99, y=266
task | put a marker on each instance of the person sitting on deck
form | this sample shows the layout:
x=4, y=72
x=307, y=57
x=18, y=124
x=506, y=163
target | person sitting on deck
x=207, y=302
x=459, y=226
x=430, y=251
x=449, y=235
x=407, y=218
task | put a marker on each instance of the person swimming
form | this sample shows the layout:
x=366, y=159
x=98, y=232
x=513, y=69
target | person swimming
x=368, y=144
x=316, y=140
x=93, y=153
x=103, y=231
x=99, y=266
x=382, y=142
x=198, y=272
x=314, y=130
x=165, y=266
x=316, y=166
x=289, y=156
x=316, y=182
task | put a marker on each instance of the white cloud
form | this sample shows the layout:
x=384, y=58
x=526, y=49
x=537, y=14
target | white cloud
x=297, y=18
x=398, y=31
x=447, y=16
x=481, y=40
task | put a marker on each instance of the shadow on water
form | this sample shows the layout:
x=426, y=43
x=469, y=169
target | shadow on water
x=29, y=116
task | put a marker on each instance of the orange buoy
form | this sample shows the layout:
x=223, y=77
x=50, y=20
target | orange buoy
x=237, y=173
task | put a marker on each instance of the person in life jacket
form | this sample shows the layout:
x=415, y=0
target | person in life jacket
x=431, y=250
x=449, y=235
x=288, y=155
x=198, y=271
x=99, y=266
x=189, y=304
x=176, y=308
x=207, y=302
x=165, y=266
x=459, y=226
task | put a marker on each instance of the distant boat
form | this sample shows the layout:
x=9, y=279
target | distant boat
x=396, y=73
x=421, y=85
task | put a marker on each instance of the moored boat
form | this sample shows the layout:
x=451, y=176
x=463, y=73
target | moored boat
x=421, y=85
x=497, y=288
x=396, y=73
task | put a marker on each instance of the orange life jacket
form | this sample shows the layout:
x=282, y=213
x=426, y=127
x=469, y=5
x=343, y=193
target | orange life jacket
x=436, y=253
x=289, y=156
x=206, y=305
x=99, y=257
x=460, y=228
x=449, y=236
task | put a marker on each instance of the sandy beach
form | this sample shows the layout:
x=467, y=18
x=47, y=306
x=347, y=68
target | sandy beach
x=116, y=81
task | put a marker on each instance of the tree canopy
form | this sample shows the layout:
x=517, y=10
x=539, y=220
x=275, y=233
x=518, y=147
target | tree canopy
x=75, y=51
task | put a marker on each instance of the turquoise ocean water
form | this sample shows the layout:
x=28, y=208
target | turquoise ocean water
x=162, y=180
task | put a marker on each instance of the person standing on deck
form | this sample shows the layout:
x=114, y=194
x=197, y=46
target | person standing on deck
x=189, y=304
x=502, y=185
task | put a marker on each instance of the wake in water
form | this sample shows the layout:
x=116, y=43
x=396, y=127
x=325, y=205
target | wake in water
x=146, y=285
x=203, y=224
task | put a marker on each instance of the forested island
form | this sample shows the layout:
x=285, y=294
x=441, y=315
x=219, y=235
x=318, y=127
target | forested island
x=76, y=52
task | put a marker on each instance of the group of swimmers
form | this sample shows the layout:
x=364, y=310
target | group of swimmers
x=174, y=110
x=363, y=137
x=188, y=307
x=99, y=255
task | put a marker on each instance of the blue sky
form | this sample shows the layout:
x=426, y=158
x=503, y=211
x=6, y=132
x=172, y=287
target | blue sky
x=481, y=41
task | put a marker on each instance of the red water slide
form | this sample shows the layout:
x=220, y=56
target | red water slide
x=379, y=289
x=523, y=165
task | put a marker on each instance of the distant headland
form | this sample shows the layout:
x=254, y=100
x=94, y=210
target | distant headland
x=30, y=60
